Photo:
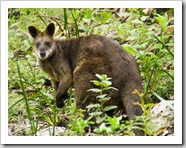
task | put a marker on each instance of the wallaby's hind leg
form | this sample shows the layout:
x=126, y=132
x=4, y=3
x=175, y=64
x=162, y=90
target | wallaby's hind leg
x=133, y=110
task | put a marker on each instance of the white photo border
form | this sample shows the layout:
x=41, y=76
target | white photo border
x=176, y=139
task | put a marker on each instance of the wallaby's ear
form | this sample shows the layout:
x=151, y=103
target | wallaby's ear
x=33, y=31
x=50, y=29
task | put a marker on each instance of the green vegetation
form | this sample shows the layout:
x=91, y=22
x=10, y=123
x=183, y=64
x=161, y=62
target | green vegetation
x=150, y=38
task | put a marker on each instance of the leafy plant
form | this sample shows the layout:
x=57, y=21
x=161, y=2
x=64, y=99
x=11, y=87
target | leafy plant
x=99, y=109
x=153, y=47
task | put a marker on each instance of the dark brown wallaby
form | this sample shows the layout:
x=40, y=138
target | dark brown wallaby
x=74, y=62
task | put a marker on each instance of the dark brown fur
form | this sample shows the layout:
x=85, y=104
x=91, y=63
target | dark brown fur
x=74, y=62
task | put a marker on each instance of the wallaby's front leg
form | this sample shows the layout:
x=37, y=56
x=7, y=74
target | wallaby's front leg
x=56, y=84
x=62, y=92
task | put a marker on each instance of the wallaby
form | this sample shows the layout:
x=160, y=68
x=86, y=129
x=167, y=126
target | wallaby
x=74, y=62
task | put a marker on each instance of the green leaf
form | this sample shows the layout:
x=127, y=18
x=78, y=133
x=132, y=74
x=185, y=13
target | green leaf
x=105, y=99
x=15, y=24
x=99, y=76
x=107, y=83
x=137, y=21
x=76, y=13
x=104, y=77
x=112, y=120
x=112, y=88
x=85, y=28
x=26, y=44
x=143, y=18
x=104, y=128
x=88, y=14
x=102, y=96
x=115, y=122
x=100, y=119
x=48, y=119
x=93, y=106
x=162, y=21
x=157, y=46
x=129, y=49
x=95, y=90
x=149, y=106
x=95, y=114
x=97, y=83
x=83, y=123
x=162, y=99
x=91, y=122
x=107, y=108
x=132, y=38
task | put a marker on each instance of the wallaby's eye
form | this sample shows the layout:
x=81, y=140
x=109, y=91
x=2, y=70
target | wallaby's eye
x=37, y=45
x=48, y=44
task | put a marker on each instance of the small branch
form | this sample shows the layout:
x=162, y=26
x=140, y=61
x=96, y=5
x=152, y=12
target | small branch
x=57, y=24
x=52, y=17
x=42, y=20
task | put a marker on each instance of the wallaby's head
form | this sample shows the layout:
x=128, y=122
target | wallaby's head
x=43, y=41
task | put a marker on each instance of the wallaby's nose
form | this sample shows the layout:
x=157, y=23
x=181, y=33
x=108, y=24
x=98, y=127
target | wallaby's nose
x=42, y=54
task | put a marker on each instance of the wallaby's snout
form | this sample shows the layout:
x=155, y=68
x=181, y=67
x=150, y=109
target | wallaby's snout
x=42, y=53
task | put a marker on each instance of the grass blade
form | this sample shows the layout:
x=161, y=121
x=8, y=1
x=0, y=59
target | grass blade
x=66, y=24
x=164, y=46
x=75, y=20
x=33, y=128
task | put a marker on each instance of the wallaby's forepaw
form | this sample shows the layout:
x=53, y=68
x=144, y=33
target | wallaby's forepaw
x=60, y=103
x=60, y=100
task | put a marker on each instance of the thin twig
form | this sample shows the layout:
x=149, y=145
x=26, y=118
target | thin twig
x=42, y=20
x=51, y=17
x=57, y=24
